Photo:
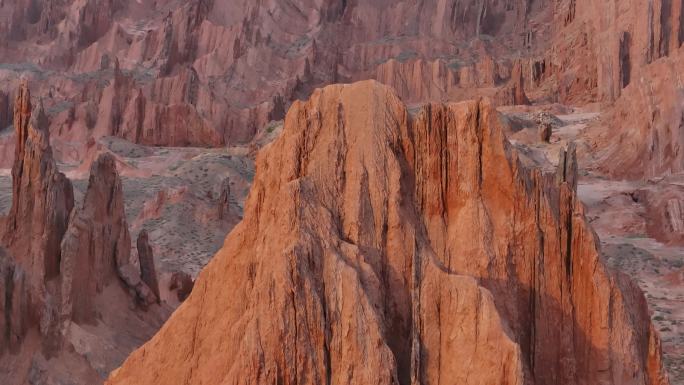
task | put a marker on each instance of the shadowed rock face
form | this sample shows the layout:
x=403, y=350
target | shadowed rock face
x=6, y=113
x=377, y=248
x=42, y=199
x=55, y=262
x=97, y=243
x=148, y=273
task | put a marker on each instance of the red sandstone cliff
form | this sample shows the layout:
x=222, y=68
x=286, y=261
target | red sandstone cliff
x=377, y=248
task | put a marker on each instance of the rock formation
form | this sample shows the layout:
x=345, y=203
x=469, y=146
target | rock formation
x=223, y=205
x=182, y=284
x=377, y=248
x=96, y=247
x=664, y=210
x=42, y=199
x=567, y=167
x=544, y=132
x=148, y=273
x=56, y=262
x=641, y=135
x=201, y=73
x=5, y=110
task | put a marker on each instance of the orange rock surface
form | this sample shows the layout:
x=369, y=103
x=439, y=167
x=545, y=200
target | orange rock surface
x=379, y=247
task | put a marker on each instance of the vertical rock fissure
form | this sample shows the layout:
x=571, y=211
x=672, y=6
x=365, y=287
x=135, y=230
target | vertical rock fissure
x=293, y=264
x=624, y=57
x=665, y=27
x=9, y=289
x=535, y=283
x=415, y=317
x=680, y=33
x=444, y=157
x=568, y=246
x=478, y=133
x=327, y=325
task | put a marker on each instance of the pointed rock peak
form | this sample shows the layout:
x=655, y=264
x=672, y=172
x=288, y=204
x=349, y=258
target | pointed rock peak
x=118, y=74
x=375, y=221
x=42, y=200
x=223, y=206
x=567, y=166
x=39, y=119
x=32, y=184
x=96, y=248
x=148, y=272
x=22, y=115
x=518, y=84
x=104, y=168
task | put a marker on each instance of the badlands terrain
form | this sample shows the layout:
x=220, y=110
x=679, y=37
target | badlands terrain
x=341, y=192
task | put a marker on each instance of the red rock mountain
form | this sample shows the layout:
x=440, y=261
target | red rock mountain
x=381, y=247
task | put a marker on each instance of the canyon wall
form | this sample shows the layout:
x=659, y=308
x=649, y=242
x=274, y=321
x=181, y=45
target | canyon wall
x=209, y=73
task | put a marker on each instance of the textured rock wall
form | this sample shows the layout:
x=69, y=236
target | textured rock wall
x=377, y=248
x=55, y=261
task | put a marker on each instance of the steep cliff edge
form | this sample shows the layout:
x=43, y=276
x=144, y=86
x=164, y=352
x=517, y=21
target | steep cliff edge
x=376, y=247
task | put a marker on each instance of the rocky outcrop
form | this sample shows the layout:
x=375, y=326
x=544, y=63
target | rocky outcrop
x=61, y=269
x=421, y=80
x=182, y=283
x=376, y=247
x=96, y=248
x=42, y=199
x=6, y=110
x=567, y=167
x=97, y=243
x=14, y=304
x=226, y=53
x=663, y=210
x=148, y=273
x=223, y=204
x=568, y=51
x=544, y=132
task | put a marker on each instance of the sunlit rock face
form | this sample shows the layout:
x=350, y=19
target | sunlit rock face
x=377, y=247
